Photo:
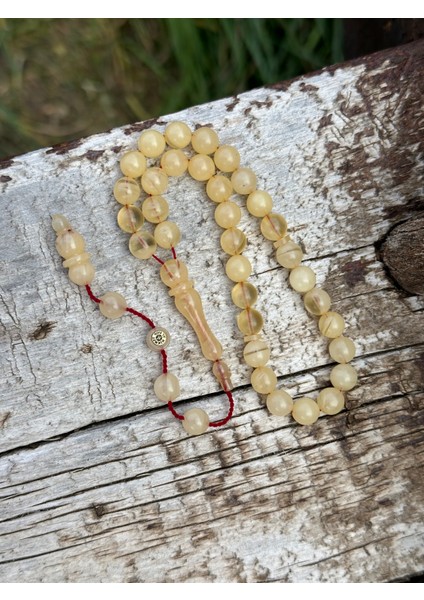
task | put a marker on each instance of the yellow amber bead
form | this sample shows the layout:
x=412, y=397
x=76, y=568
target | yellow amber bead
x=151, y=143
x=130, y=219
x=126, y=190
x=259, y=203
x=233, y=241
x=344, y=377
x=238, y=268
x=250, y=321
x=264, y=380
x=342, y=349
x=227, y=214
x=155, y=209
x=174, y=163
x=167, y=234
x=69, y=243
x=112, y=305
x=82, y=274
x=273, y=226
x=317, y=301
x=289, y=255
x=244, y=294
x=227, y=159
x=204, y=140
x=244, y=181
x=196, y=421
x=302, y=279
x=279, y=403
x=173, y=272
x=330, y=401
x=59, y=223
x=177, y=134
x=154, y=181
x=133, y=164
x=167, y=387
x=305, y=411
x=331, y=324
x=219, y=188
x=201, y=167
x=142, y=244
x=256, y=353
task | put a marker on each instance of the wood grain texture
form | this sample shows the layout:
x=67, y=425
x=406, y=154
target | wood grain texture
x=97, y=482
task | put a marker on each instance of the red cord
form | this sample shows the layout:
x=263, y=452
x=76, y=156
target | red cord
x=165, y=360
x=160, y=261
x=174, y=254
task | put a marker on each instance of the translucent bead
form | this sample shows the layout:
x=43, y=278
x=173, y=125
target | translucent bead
x=196, y=421
x=158, y=339
x=342, y=349
x=219, y=188
x=279, y=403
x=289, y=255
x=244, y=294
x=142, y=244
x=59, y=223
x=167, y=234
x=154, y=181
x=305, y=411
x=264, y=380
x=344, y=377
x=133, y=164
x=233, y=241
x=155, y=209
x=250, y=321
x=126, y=190
x=317, y=301
x=302, y=279
x=177, y=134
x=201, y=167
x=174, y=163
x=330, y=401
x=273, y=226
x=331, y=324
x=130, y=218
x=151, y=143
x=78, y=259
x=238, y=268
x=227, y=214
x=227, y=159
x=244, y=181
x=222, y=372
x=69, y=243
x=204, y=140
x=173, y=272
x=167, y=387
x=82, y=274
x=112, y=305
x=259, y=203
x=256, y=353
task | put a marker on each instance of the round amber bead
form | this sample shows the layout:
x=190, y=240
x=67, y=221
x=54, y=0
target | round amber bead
x=173, y=272
x=204, y=140
x=227, y=214
x=331, y=324
x=219, y=188
x=178, y=134
x=279, y=403
x=167, y=234
x=244, y=181
x=227, y=159
x=273, y=226
x=142, y=244
x=112, y=305
x=201, y=167
x=155, y=209
x=259, y=203
x=151, y=143
x=196, y=421
x=154, y=181
x=256, y=353
x=133, y=164
x=289, y=255
x=342, y=349
x=130, y=218
x=244, y=294
x=238, y=268
x=330, y=401
x=174, y=163
x=250, y=321
x=126, y=190
x=305, y=411
x=233, y=241
x=317, y=301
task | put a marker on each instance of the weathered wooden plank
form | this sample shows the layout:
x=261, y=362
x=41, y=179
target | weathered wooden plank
x=130, y=496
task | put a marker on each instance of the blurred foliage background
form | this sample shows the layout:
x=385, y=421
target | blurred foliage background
x=61, y=79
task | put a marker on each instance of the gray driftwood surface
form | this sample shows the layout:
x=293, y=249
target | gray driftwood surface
x=97, y=481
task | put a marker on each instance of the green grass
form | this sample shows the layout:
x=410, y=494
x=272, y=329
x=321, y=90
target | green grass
x=65, y=78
